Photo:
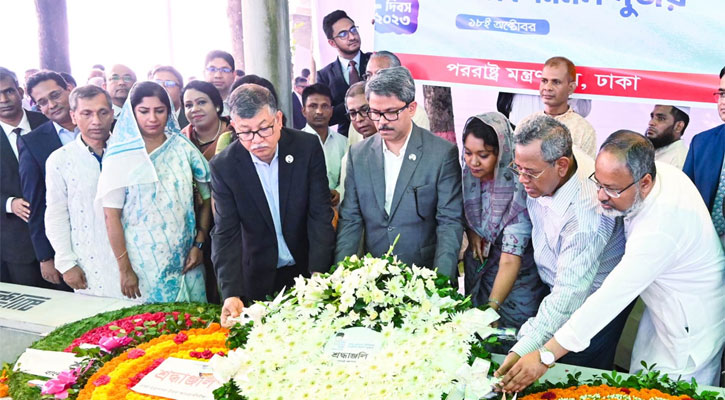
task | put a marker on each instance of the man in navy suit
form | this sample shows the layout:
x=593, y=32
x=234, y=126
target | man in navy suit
x=298, y=118
x=273, y=215
x=704, y=163
x=50, y=92
x=348, y=68
x=17, y=259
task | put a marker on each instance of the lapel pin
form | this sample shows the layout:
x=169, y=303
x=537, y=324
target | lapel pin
x=289, y=159
x=412, y=157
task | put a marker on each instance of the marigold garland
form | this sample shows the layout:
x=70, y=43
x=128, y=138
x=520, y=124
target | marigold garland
x=603, y=392
x=124, y=371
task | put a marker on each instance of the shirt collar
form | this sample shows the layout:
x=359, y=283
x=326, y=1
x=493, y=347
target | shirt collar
x=310, y=129
x=345, y=62
x=563, y=196
x=83, y=144
x=59, y=128
x=257, y=161
x=402, y=149
x=24, y=125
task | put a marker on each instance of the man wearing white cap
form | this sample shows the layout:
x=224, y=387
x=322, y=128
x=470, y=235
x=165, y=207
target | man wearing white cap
x=666, y=126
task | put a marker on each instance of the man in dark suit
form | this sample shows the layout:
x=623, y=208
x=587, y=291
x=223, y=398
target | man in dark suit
x=348, y=68
x=273, y=216
x=298, y=117
x=17, y=259
x=404, y=182
x=50, y=92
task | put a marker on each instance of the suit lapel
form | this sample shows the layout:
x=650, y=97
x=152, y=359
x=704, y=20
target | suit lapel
x=377, y=171
x=7, y=151
x=411, y=159
x=250, y=182
x=285, y=163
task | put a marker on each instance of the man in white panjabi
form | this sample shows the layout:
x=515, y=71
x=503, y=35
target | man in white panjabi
x=674, y=261
x=75, y=225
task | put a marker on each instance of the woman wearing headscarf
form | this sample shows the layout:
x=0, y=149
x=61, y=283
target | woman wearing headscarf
x=146, y=188
x=499, y=264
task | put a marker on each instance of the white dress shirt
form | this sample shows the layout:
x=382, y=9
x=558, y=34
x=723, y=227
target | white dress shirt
x=116, y=111
x=65, y=135
x=24, y=125
x=675, y=263
x=392, y=165
x=345, y=63
x=674, y=154
x=334, y=147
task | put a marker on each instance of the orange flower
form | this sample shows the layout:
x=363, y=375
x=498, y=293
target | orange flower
x=603, y=392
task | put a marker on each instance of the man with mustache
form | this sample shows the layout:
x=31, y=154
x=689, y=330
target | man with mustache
x=673, y=261
x=403, y=182
x=119, y=80
x=666, y=126
x=347, y=69
x=273, y=216
x=317, y=107
x=50, y=92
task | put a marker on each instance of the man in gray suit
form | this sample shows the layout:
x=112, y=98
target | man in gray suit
x=404, y=181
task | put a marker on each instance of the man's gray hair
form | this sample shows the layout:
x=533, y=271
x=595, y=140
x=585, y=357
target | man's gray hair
x=395, y=81
x=87, y=92
x=555, y=137
x=248, y=99
x=634, y=150
x=8, y=74
x=392, y=59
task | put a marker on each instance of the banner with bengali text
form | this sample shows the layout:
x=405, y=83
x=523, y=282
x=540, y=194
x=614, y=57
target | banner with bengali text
x=647, y=50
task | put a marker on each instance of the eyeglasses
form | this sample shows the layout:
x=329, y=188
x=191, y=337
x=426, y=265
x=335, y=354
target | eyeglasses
x=168, y=84
x=226, y=70
x=262, y=132
x=125, y=78
x=54, y=96
x=719, y=95
x=362, y=113
x=515, y=169
x=344, y=34
x=389, y=116
x=609, y=192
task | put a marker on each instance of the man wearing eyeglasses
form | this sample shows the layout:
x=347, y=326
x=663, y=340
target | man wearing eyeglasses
x=357, y=111
x=273, y=216
x=50, y=92
x=674, y=262
x=347, y=69
x=575, y=247
x=119, y=80
x=219, y=71
x=171, y=79
x=403, y=182
x=704, y=164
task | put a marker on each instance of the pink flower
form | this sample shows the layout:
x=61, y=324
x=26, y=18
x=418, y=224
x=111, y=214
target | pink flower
x=59, y=385
x=180, y=338
x=135, y=353
x=102, y=380
x=110, y=343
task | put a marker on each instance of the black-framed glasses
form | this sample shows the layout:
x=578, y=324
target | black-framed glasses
x=213, y=70
x=362, y=113
x=615, y=194
x=345, y=34
x=262, y=132
x=54, y=96
x=126, y=78
x=389, y=116
x=515, y=169
x=167, y=84
x=719, y=95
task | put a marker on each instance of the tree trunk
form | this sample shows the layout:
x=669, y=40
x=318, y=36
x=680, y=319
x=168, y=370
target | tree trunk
x=53, y=35
x=439, y=107
x=234, y=16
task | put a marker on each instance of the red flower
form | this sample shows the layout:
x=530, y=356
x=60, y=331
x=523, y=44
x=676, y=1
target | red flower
x=180, y=338
x=625, y=390
x=136, y=353
x=221, y=353
x=207, y=354
x=548, y=396
x=102, y=380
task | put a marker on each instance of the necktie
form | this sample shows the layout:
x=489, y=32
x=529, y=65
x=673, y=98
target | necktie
x=354, y=75
x=17, y=131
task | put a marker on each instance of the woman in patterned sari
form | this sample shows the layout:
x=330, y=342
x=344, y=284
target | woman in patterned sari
x=499, y=263
x=147, y=190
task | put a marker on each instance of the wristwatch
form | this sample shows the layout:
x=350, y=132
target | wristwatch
x=547, y=358
x=199, y=245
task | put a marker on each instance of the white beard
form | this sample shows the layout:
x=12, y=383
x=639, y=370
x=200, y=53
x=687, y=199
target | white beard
x=634, y=209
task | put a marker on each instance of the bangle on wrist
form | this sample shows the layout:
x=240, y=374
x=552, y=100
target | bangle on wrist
x=122, y=255
x=494, y=301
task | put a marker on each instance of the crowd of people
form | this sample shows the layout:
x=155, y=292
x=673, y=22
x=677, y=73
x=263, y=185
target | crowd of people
x=158, y=191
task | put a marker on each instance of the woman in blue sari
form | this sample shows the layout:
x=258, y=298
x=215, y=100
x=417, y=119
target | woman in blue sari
x=147, y=190
x=499, y=263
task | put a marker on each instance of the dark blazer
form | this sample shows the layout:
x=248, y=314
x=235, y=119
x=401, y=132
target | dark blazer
x=298, y=119
x=332, y=77
x=33, y=150
x=704, y=162
x=244, y=241
x=15, y=244
x=426, y=209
